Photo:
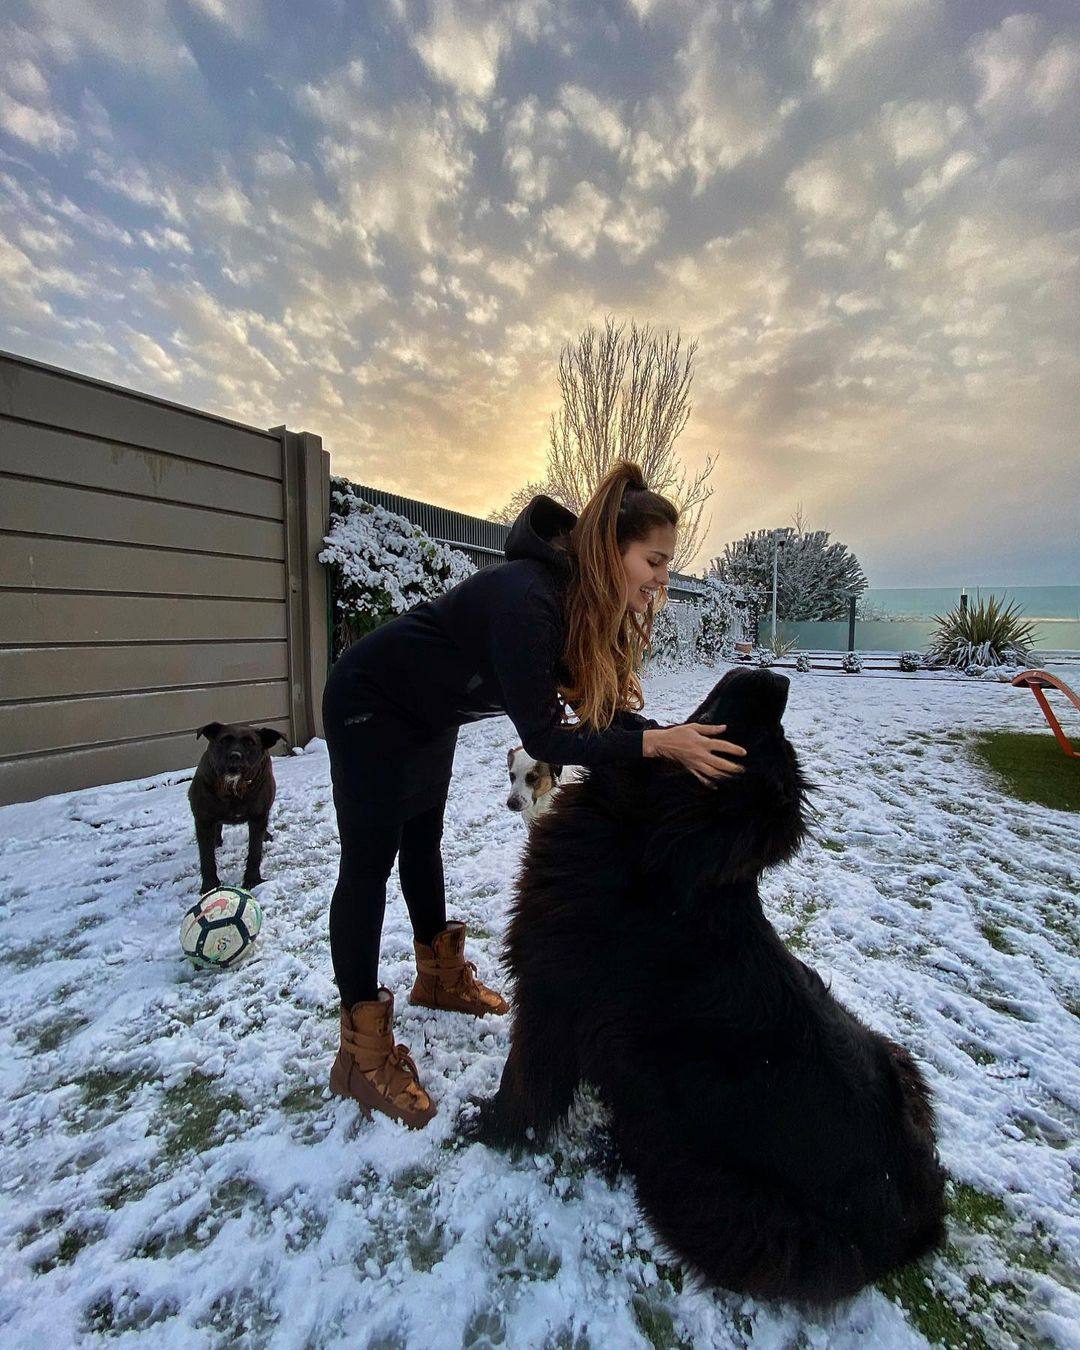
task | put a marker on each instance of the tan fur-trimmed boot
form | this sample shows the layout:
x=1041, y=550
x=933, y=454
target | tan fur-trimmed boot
x=375, y=1072
x=444, y=979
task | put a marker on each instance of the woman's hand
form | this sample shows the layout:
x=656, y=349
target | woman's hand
x=693, y=745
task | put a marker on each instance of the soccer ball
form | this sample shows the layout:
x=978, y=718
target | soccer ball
x=221, y=929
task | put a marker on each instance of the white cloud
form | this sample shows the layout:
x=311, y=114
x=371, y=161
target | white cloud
x=460, y=50
x=165, y=239
x=920, y=130
x=465, y=40
x=836, y=185
x=575, y=225
x=242, y=18
x=846, y=33
x=23, y=77
x=365, y=148
x=1024, y=68
x=592, y=116
x=729, y=111
x=634, y=228
x=154, y=359
x=335, y=100
x=534, y=143
x=987, y=255
x=136, y=182
x=935, y=181
x=139, y=36
x=40, y=127
x=225, y=200
x=853, y=303
x=513, y=273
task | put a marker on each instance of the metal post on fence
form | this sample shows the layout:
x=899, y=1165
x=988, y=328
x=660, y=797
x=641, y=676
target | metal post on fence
x=851, y=624
x=963, y=599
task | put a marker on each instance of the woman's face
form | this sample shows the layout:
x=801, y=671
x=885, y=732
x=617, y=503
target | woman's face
x=646, y=564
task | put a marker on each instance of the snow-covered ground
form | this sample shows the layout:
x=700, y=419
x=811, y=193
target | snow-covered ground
x=174, y=1172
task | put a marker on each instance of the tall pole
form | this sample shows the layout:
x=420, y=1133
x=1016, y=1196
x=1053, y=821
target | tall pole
x=775, y=554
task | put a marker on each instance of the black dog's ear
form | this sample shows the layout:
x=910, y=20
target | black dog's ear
x=269, y=737
x=211, y=730
x=556, y=770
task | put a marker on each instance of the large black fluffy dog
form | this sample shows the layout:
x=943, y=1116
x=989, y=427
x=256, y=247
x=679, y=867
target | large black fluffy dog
x=778, y=1146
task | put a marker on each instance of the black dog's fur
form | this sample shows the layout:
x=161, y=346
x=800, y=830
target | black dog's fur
x=233, y=784
x=779, y=1147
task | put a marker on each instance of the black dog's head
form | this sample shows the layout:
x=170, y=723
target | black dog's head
x=237, y=749
x=749, y=821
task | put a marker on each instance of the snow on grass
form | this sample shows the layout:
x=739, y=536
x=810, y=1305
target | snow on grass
x=175, y=1173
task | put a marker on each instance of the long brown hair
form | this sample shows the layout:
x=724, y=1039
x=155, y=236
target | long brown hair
x=605, y=641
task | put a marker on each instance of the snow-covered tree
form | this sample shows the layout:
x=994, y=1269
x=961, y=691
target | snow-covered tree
x=814, y=578
x=381, y=564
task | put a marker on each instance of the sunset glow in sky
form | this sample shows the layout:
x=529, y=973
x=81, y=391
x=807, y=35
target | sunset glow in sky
x=381, y=222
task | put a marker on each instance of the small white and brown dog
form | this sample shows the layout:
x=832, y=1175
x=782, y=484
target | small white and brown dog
x=533, y=784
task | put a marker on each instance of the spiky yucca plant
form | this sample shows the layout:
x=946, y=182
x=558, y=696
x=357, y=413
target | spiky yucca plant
x=982, y=635
x=779, y=646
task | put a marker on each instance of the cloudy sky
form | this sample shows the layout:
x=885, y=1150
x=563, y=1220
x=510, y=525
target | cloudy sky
x=381, y=222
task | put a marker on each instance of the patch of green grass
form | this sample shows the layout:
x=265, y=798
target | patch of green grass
x=796, y=939
x=995, y=935
x=227, y=1202
x=657, y=1325
x=106, y=1087
x=303, y=1099
x=30, y=954
x=485, y=1327
x=566, y=1338
x=1063, y=920
x=196, y=1106
x=519, y=1251
x=975, y=1209
x=930, y=1312
x=124, y=1188
x=1009, y=1007
x=46, y=1220
x=61, y=1029
x=1032, y=767
x=71, y=1243
x=118, y=1311
x=243, y=1316
x=833, y=845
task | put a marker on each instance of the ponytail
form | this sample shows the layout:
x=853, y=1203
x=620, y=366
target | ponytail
x=606, y=643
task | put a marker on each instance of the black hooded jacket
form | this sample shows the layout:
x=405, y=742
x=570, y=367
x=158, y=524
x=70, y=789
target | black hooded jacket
x=491, y=645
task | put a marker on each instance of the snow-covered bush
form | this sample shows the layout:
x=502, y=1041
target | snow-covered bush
x=700, y=629
x=911, y=661
x=802, y=663
x=764, y=657
x=676, y=636
x=852, y=663
x=380, y=564
x=720, y=622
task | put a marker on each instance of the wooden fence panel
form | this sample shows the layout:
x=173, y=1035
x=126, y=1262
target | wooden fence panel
x=157, y=571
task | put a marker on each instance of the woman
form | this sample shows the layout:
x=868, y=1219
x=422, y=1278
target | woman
x=565, y=620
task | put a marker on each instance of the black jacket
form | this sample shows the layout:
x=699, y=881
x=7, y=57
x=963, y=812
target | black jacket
x=492, y=645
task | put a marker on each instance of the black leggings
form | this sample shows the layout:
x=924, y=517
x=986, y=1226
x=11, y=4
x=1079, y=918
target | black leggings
x=359, y=901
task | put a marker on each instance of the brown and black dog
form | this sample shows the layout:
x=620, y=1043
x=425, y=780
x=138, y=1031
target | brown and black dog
x=233, y=785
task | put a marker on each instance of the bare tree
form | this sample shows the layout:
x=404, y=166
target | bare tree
x=623, y=398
